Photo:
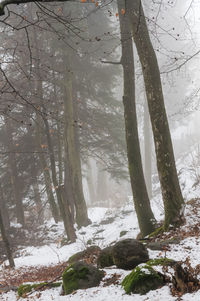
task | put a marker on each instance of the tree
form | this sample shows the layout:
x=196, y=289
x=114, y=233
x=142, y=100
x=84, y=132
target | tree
x=141, y=200
x=172, y=196
x=6, y=242
x=171, y=192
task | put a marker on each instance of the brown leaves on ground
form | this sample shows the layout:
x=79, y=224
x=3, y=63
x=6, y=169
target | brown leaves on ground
x=114, y=279
x=16, y=277
x=185, y=278
x=186, y=231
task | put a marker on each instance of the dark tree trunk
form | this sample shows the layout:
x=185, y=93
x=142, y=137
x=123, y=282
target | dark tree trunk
x=6, y=242
x=19, y=210
x=145, y=215
x=4, y=209
x=147, y=150
x=172, y=196
x=61, y=197
x=46, y=174
x=72, y=155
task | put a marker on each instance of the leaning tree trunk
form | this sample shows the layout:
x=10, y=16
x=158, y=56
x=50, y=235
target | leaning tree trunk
x=145, y=215
x=172, y=196
x=6, y=242
x=72, y=155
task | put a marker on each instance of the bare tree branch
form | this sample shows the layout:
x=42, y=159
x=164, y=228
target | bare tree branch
x=182, y=64
x=5, y=3
x=111, y=62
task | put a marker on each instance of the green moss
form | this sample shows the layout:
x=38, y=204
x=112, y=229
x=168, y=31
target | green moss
x=74, y=258
x=160, y=261
x=122, y=233
x=105, y=258
x=141, y=280
x=156, y=232
x=71, y=278
x=26, y=288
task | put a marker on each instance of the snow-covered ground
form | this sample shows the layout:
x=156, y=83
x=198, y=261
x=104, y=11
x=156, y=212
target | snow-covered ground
x=103, y=234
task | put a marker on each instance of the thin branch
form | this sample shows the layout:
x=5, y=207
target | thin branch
x=5, y=3
x=181, y=65
x=111, y=62
x=18, y=152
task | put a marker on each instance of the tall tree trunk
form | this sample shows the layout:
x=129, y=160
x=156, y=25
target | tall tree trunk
x=147, y=150
x=4, y=209
x=62, y=201
x=38, y=202
x=61, y=197
x=72, y=156
x=171, y=192
x=46, y=174
x=101, y=190
x=60, y=153
x=90, y=183
x=6, y=242
x=145, y=215
x=14, y=175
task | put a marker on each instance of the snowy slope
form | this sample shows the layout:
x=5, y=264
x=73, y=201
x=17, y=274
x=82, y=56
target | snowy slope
x=124, y=219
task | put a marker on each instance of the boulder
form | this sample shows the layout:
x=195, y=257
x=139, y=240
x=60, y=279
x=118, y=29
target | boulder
x=142, y=279
x=105, y=258
x=80, y=275
x=128, y=253
x=89, y=254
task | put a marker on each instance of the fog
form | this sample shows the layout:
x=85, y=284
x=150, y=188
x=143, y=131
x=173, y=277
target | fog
x=63, y=131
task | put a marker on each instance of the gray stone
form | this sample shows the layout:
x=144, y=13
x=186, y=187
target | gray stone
x=128, y=253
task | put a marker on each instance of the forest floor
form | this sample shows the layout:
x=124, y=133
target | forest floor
x=46, y=261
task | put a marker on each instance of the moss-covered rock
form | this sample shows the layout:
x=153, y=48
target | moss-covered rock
x=129, y=253
x=161, y=261
x=142, y=279
x=90, y=251
x=105, y=258
x=80, y=276
x=26, y=288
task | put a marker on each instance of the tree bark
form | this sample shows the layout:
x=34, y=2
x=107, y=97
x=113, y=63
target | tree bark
x=144, y=213
x=72, y=156
x=91, y=183
x=62, y=199
x=6, y=242
x=4, y=209
x=147, y=150
x=14, y=175
x=101, y=187
x=46, y=174
x=171, y=192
